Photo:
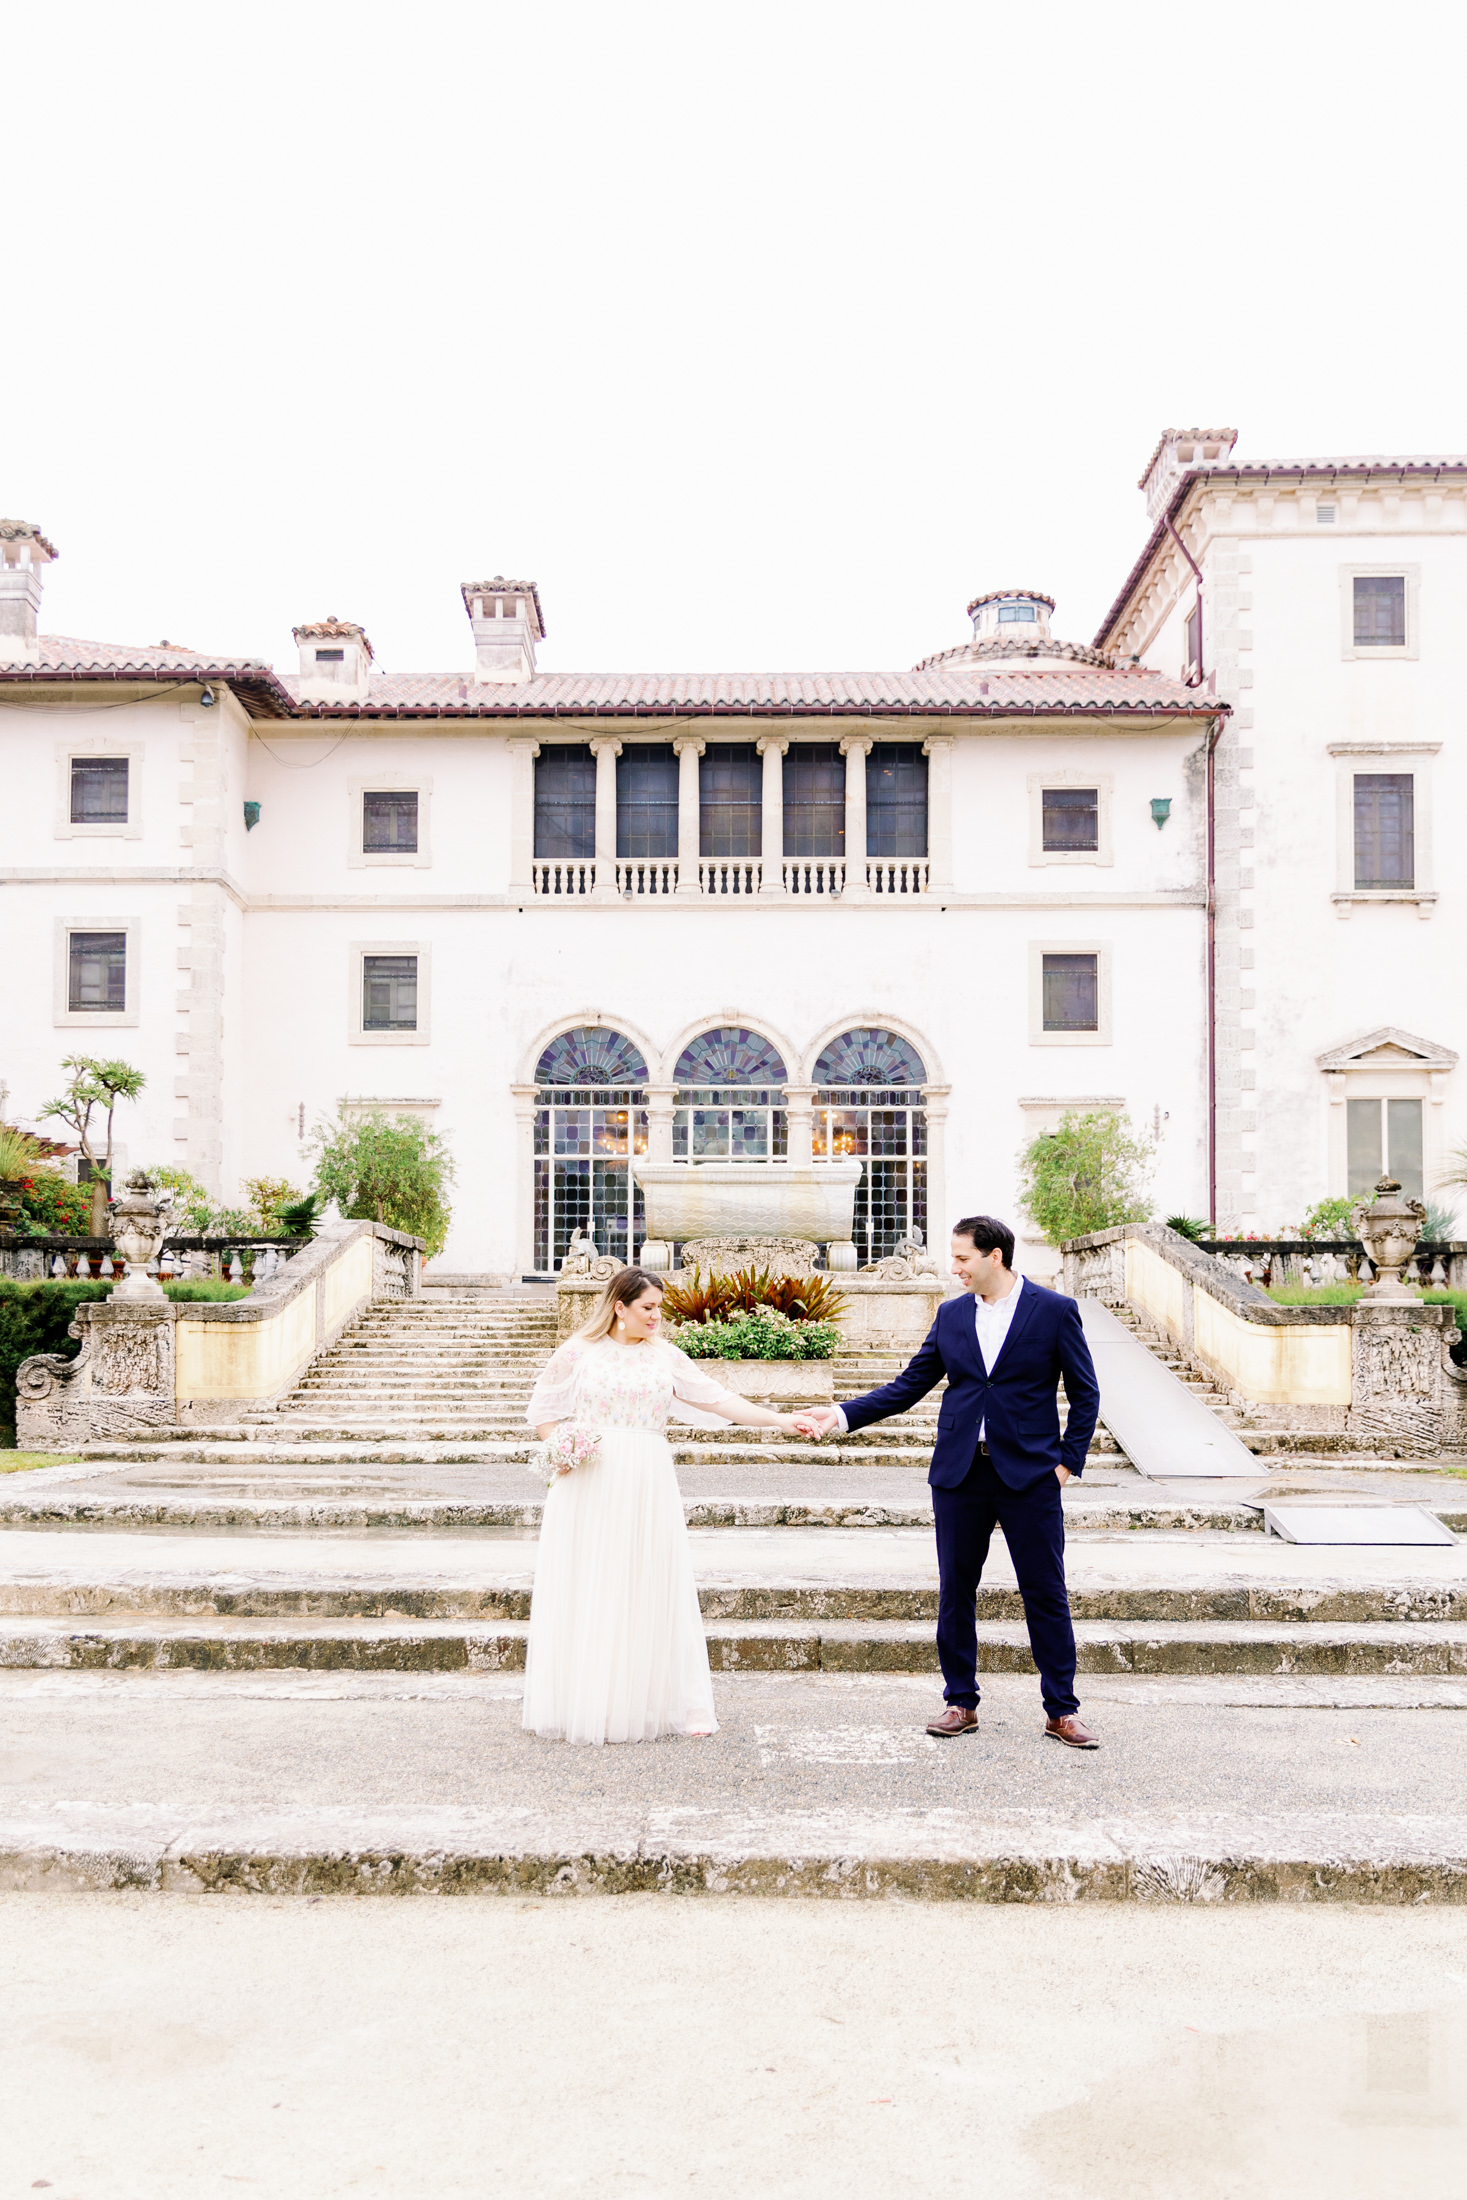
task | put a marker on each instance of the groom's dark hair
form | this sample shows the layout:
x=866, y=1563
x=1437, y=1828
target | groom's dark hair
x=989, y=1235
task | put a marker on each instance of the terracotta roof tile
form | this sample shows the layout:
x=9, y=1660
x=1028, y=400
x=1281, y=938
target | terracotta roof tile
x=332, y=629
x=63, y=657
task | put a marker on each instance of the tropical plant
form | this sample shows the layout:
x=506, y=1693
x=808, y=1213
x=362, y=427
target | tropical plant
x=298, y=1219
x=1329, y=1218
x=1192, y=1227
x=95, y=1084
x=1440, y=1225
x=20, y=1154
x=1088, y=1174
x=715, y=1298
x=393, y=1172
x=763, y=1335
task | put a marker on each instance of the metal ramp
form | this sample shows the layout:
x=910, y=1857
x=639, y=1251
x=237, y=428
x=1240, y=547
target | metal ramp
x=1166, y=1432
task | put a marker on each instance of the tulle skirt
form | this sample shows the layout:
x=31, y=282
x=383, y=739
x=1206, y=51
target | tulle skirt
x=617, y=1651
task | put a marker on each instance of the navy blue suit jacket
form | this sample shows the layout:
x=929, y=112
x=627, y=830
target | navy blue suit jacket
x=1015, y=1405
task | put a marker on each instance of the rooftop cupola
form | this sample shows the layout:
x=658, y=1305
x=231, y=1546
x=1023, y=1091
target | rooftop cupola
x=1177, y=450
x=24, y=552
x=1011, y=615
x=336, y=661
x=505, y=616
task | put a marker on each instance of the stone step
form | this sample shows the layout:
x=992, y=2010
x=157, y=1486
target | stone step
x=365, y=1645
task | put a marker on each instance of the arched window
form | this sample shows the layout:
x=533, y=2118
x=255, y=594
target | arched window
x=868, y=1107
x=590, y=1117
x=729, y=1102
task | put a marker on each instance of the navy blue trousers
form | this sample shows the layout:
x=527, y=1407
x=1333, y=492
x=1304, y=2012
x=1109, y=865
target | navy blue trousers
x=1034, y=1530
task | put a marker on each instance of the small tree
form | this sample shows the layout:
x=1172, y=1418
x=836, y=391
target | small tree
x=95, y=1085
x=1087, y=1175
x=393, y=1172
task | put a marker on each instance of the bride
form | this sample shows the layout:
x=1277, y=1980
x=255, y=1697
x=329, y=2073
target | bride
x=617, y=1651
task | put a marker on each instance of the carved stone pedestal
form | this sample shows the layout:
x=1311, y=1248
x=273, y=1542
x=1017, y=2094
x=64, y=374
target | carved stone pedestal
x=120, y=1384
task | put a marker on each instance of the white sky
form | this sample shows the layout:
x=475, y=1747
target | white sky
x=762, y=336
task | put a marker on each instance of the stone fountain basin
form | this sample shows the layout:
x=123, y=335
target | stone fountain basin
x=749, y=1199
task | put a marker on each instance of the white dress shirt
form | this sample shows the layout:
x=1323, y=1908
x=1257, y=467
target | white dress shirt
x=992, y=1323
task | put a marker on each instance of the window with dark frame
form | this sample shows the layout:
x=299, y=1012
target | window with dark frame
x=389, y=992
x=1194, y=639
x=565, y=803
x=1070, y=820
x=1384, y=1138
x=99, y=790
x=896, y=799
x=814, y=799
x=390, y=824
x=1071, y=992
x=730, y=800
x=97, y=973
x=1385, y=830
x=1380, y=610
x=646, y=800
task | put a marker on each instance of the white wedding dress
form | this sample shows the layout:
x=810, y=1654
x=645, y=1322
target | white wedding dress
x=617, y=1651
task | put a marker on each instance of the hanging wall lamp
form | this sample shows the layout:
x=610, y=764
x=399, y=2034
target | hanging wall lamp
x=1161, y=809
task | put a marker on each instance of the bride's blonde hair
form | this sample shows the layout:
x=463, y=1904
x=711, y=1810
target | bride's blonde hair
x=625, y=1286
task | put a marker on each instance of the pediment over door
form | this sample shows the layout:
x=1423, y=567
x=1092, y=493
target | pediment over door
x=1388, y=1048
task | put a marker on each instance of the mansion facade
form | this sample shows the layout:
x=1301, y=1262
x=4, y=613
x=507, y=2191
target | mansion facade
x=1192, y=870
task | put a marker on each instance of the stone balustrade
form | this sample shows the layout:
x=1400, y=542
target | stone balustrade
x=1310, y=1262
x=153, y=1363
x=1378, y=1370
x=226, y=1258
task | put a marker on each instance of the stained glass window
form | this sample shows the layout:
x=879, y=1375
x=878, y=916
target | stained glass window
x=730, y=1099
x=869, y=1056
x=729, y=1056
x=590, y=1055
x=591, y=1117
x=868, y=1107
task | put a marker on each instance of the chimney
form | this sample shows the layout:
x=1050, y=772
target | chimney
x=1178, y=449
x=336, y=662
x=505, y=616
x=23, y=552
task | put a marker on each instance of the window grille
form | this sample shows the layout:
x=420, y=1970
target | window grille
x=730, y=800
x=729, y=1099
x=1071, y=992
x=389, y=993
x=565, y=802
x=1071, y=819
x=590, y=1117
x=97, y=976
x=814, y=799
x=896, y=800
x=99, y=790
x=1383, y=1137
x=646, y=801
x=390, y=824
x=1385, y=829
x=868, y=1106
x=1380, y=611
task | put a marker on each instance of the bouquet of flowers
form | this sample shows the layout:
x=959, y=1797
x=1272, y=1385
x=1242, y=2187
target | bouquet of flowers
x=569, y=1446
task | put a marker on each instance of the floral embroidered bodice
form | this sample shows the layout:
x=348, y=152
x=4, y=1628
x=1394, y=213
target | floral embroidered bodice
x=608, y=1385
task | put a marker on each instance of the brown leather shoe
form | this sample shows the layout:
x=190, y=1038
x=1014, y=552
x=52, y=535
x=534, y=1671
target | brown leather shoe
x=959, y=1718
x=1070, y=1731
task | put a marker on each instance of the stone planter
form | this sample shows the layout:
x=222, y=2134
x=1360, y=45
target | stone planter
x=776, y=1382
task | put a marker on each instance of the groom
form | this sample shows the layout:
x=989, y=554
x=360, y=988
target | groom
x=999, y=1461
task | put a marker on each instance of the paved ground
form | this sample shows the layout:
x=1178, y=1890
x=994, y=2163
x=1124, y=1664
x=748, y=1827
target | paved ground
x=564, y=2050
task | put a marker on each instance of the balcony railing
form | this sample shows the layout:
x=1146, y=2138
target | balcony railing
x=730, y=874
x=897, y=874
x=227, y=1258
x=571, y=875
x=814, y=874
x=640, y=875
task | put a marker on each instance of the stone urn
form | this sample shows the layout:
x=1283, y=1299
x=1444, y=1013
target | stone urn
x=1388, y=1229
x=139, y=1225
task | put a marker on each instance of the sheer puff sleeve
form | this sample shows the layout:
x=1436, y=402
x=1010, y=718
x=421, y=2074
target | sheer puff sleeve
x=554, y=1395
x=696, y=1396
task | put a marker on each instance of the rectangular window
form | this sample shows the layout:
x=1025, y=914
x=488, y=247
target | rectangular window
x=99, y=790
x=565, y=802
x=730, y=800
x=1383, y=1138
x=1380, y=611
x=390, y=824
x=1071, y=819
x=1072, y=992
x=389, y=993
x=646, y=801
x=814, y=799
x=896, y=799
x=1194, y=640
x=1385, y=829
x=97, y=977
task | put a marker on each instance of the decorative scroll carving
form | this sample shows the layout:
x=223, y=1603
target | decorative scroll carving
x=908, y=1259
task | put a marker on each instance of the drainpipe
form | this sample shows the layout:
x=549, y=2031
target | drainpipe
x=1212, y=741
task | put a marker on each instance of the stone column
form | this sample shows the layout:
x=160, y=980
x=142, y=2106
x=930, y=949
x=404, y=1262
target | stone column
x=938, y=748
x=523, y=1252
x=939, y=1221
x=523, y=750
x=606, y=749
x=855, y=748
x=772, y=747
x=800, y=1124
x=659, y=1122
x=687, y=748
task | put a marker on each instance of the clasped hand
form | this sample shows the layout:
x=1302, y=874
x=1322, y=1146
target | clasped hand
x=815, y=1422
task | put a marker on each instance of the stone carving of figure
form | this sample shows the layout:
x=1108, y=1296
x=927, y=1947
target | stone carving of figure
x=908, y=1259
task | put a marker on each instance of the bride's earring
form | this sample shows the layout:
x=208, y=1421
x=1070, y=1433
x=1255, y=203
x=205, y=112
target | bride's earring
x=621, y=1325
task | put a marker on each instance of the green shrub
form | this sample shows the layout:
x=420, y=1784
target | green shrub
x=35, y=1317
x=1329, y=1218
x=50, y=1207
x=764, y=1335
x=391, y=1172
x=1089, y=1174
